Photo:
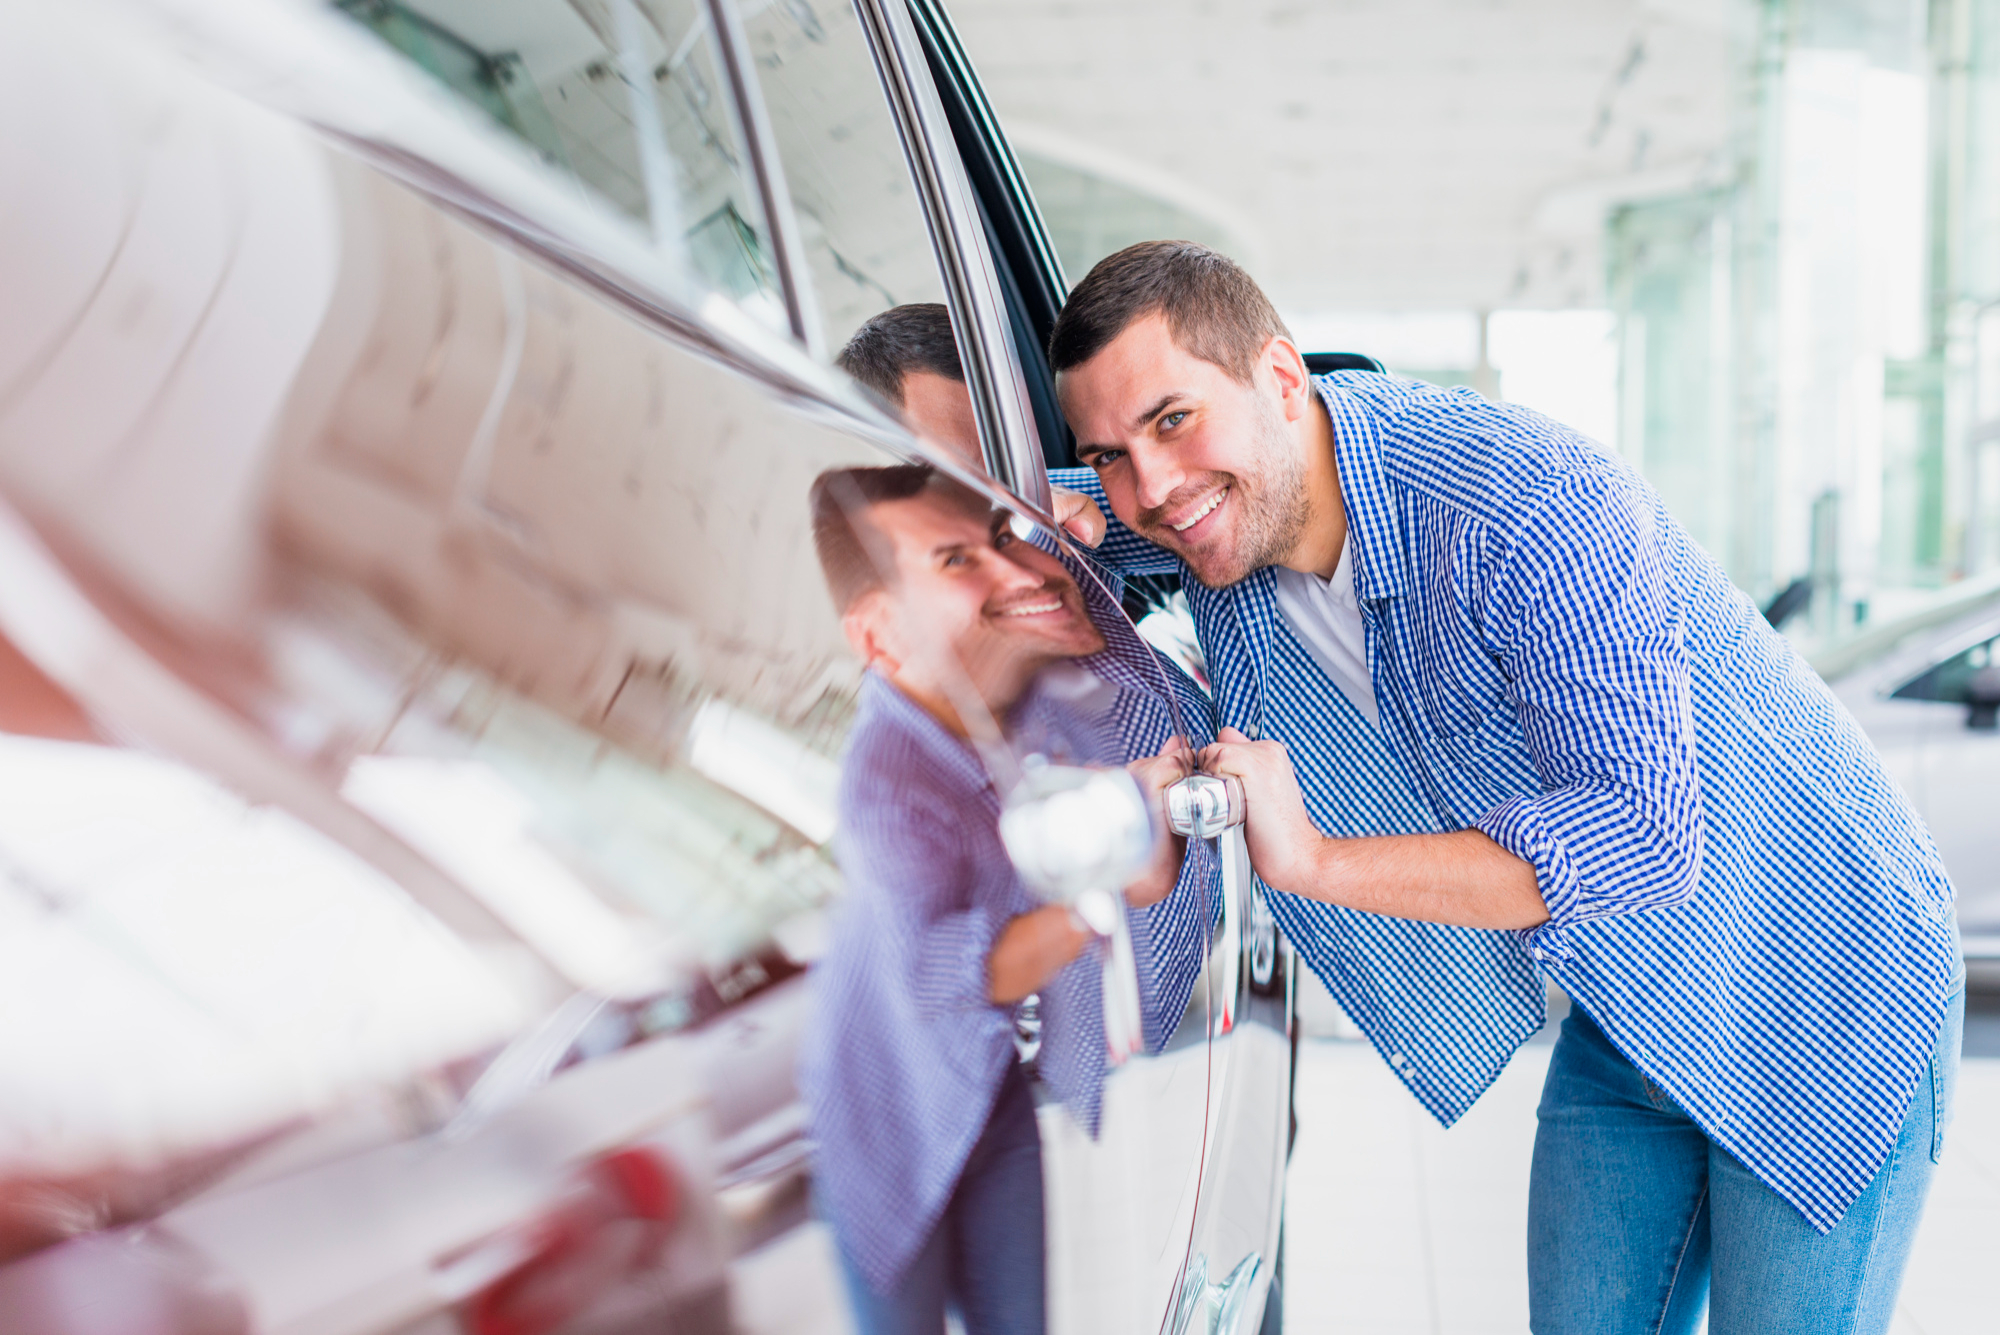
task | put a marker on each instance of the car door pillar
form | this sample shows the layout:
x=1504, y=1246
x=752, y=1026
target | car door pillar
x=1007, y=433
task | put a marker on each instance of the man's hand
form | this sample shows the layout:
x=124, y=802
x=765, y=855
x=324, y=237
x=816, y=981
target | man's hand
x=1156, y=774
x=1284, y=843
x=1079, y=515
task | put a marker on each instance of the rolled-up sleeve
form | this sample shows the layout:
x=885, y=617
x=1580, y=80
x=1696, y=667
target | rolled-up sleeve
x=1582, y=616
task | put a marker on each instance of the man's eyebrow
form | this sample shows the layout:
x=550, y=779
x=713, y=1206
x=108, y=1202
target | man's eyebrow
x=1085, y=449
x=1167, y=400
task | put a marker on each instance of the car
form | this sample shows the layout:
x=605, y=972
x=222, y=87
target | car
x=406, y=413
x=1924, y=687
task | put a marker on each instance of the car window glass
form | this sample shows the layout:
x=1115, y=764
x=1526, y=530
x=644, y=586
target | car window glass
x=662, y=148
x=1951, y=680
x=863, y=230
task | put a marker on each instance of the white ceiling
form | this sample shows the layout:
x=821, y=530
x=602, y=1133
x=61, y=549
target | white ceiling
x=1378, y=154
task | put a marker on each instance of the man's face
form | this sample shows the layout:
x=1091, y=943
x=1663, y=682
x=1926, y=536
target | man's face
x=1189, y=457
x=941, y=408
x=971, y=598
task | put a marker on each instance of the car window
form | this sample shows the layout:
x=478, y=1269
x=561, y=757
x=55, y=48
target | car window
x=862, y=227
x=661, y=148
x=1950, y=680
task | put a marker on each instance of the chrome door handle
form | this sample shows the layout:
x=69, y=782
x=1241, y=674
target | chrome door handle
x=1077, y=836
x=1209, y=806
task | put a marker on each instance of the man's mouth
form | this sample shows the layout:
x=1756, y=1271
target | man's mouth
x=1041, y=607
x=1200, y=512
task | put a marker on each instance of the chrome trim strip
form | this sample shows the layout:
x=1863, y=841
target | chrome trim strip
x=760, y=147
x=1007, y=431
x=953, y=52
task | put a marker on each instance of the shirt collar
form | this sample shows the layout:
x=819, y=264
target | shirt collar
x=1374, y=530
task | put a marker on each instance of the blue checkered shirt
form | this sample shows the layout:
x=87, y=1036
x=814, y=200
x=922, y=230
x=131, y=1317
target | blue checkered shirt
x=1738, y=893
x=904, y=1049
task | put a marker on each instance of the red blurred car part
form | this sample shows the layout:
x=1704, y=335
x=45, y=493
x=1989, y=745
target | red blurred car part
x=610, y=1228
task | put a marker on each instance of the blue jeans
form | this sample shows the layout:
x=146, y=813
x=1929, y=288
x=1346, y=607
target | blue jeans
x=1637, y=1221
x=984, y=1259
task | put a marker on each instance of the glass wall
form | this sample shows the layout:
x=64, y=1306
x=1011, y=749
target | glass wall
x=1810, y=355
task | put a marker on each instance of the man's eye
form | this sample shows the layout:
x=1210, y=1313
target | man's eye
x=1103, y=459
x=953, y=560
x=1172, y=420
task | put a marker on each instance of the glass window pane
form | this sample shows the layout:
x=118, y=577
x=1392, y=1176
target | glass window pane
x=560, y=77
x=863, y=229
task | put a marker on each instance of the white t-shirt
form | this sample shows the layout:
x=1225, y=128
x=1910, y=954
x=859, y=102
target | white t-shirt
x=1326, y=617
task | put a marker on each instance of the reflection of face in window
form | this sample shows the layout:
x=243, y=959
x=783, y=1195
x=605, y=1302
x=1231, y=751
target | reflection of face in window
x=909, y=356
x=935, y=589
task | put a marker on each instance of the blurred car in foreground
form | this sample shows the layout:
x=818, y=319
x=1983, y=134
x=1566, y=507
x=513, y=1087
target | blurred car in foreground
x=406, y=417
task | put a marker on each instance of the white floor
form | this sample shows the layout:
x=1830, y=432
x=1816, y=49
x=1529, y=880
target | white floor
x=1395, y=1225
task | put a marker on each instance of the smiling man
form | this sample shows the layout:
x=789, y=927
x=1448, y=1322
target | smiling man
x=1496, y=713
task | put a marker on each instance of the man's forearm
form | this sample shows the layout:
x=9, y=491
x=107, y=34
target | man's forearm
x=1032, y=949
x=1462, y=879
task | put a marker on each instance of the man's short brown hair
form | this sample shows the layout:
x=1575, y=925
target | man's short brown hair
x=1214, y=310
x=853, y=553
x=900, y=340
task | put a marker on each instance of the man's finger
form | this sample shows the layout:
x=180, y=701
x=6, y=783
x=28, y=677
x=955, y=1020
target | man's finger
x=1078, y=515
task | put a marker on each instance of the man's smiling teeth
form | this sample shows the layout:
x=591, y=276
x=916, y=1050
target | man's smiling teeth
x=1034, y=609
x=1195, y=518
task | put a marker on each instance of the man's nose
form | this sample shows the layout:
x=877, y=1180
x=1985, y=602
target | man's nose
x=1155, y=477
x=1011, y=573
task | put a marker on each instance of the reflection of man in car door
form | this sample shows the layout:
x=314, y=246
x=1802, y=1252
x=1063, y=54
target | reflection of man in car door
x=1536, y=726
x=908, y=355
x=929, y=1162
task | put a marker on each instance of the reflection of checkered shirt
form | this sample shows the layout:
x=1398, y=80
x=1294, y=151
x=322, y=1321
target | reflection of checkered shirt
x=1738, y=894
x=904, y=1051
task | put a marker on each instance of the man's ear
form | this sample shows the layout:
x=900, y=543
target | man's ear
x=1288, y=370
x=867, y=624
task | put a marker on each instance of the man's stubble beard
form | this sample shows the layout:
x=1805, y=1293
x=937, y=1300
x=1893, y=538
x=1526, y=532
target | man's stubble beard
x=1273, y=505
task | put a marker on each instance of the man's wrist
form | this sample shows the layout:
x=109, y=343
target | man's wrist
x=1315, y=871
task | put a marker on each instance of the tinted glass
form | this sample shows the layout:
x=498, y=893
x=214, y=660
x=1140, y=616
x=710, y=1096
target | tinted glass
x=1951, y=680
x=859, y=218
x=622, y=99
